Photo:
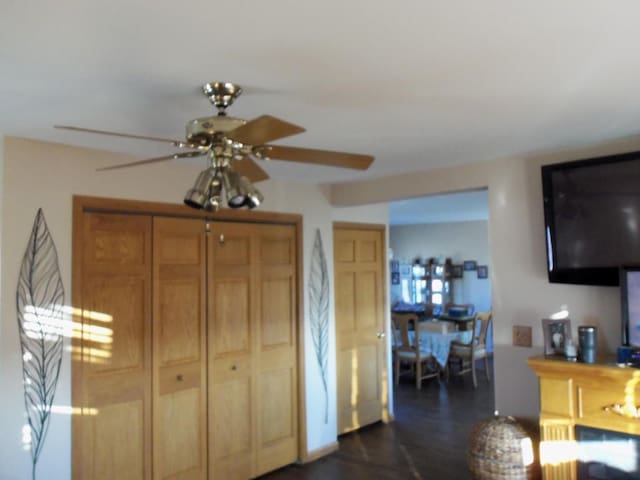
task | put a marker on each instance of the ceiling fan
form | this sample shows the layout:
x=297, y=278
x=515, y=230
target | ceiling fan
x=232, y=146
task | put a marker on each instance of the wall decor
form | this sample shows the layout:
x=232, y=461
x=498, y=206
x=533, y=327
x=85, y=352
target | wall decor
x=483, y=271
x=469, y=265
x=319, y=313
x=39, y=304
x=556, y=333
x=456, y=271
x=395, y=278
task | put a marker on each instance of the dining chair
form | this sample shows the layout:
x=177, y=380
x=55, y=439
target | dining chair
x=464, y=355
x=408, y=352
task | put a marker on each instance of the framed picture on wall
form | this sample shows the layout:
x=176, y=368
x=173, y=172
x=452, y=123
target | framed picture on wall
x=469, y=265
x=483, y=271
x=395, y=278
x=456, y=271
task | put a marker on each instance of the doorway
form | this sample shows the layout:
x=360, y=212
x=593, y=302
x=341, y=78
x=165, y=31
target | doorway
x=439, y=255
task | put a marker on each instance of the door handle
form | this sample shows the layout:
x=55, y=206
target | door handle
x=380, y=334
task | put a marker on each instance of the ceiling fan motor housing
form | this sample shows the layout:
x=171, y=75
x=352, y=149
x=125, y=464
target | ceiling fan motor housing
x=208, y=127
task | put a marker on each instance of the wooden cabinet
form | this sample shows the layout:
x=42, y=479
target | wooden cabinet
x=185, y=364
x=573, y=393
x=431, y=282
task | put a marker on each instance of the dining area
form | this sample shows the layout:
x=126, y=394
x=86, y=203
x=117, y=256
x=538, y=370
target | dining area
x=428, y=345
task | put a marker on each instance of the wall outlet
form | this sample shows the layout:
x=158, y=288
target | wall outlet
x=521, y=336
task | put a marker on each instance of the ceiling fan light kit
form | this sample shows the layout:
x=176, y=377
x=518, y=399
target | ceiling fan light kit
x=233, y=145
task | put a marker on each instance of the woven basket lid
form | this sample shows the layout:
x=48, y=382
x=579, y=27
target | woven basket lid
x=499, y=448
x=502, y=429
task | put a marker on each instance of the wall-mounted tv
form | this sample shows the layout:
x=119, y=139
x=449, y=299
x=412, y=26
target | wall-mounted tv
x=592, y=218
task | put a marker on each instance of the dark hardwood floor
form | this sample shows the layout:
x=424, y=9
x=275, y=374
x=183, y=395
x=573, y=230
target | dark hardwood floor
x=427, y=441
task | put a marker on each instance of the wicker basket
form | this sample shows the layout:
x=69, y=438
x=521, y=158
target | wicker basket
x=500, y=449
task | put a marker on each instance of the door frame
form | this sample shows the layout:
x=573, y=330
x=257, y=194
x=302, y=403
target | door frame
x=386, y=385
x=82, y=204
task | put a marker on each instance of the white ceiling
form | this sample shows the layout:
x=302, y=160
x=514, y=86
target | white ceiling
x=416, y=83
x=452, y=207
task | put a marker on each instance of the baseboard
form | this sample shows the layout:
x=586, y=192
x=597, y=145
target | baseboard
x=320, y=452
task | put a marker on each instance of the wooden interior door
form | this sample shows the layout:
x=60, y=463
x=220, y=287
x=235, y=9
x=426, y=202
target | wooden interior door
x=179, y=349
x=359, y=301
x=112, y=354
x=252, y=349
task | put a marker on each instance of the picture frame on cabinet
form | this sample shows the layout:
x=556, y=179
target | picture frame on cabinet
x=556, y=333
x=469, y=265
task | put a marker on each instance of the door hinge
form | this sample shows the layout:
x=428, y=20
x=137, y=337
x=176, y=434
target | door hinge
x=207, y=229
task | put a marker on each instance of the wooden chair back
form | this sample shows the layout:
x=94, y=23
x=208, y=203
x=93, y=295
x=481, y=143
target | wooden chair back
x=402, y=324
x=481, y=326
x=466, y=354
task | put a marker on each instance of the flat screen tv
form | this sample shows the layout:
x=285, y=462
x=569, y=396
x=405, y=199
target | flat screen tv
x=592, y=218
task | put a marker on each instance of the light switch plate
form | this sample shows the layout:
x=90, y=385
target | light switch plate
x=521, y=336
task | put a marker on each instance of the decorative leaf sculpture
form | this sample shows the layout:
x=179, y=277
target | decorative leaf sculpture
x=39, y=300
x=319, y=312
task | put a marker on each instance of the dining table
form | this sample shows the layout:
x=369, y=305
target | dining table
x=463, y=321
x=439, y=344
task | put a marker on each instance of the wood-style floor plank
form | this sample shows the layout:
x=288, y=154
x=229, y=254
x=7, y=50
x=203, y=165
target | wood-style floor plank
x=428, y=440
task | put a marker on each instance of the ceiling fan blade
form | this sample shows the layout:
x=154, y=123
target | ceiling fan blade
x=154, y=160
x=319, y=157
x=116, y=134
x=263, y=129
x=250, y=169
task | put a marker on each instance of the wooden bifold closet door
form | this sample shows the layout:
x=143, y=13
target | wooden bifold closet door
x=112, y=350
x=252, y=349
x=186, y=368
x=179, y=349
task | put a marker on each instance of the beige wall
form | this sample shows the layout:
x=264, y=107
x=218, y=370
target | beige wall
x=38, y=174
x=522, y=294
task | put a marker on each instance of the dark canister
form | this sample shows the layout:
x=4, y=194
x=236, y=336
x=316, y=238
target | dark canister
x=587, y=340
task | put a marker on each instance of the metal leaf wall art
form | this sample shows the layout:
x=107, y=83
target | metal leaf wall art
x=40, y=300
x=319, y=312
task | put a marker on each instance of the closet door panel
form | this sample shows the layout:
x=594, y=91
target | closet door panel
x=231, y=333
x=276, y=318
x=277, y=440
x=118, y=451
x=179, y=367
x=112, y=349
x=231, y=352
x=232, y=425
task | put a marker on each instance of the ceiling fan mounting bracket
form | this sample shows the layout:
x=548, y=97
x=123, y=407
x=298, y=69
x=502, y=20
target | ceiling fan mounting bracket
x=221, y=94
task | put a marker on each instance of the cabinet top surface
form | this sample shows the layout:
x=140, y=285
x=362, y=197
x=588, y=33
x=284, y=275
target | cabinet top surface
x=558, y=366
